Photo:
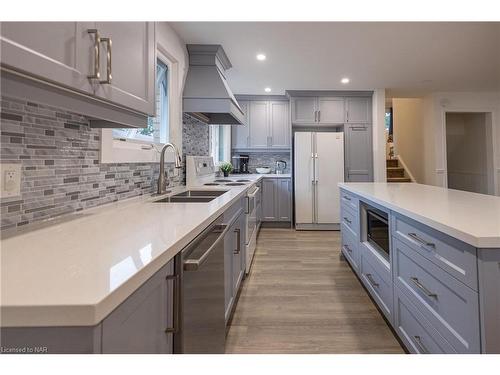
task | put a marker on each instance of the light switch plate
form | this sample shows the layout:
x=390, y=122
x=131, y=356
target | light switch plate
x=10, y=180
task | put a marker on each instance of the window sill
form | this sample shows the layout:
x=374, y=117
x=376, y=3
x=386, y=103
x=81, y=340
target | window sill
x=129, y=151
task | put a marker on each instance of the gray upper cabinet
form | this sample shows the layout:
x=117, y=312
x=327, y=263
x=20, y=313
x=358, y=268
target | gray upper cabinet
x=304, y=110
x=140, y=324
x=259, y=124
x=239, y=133
x=358, y=110
x=279, y=126
x=330, y=111
x=358, y=153
x=130, y=62
x=268, y=126
x=59, y=52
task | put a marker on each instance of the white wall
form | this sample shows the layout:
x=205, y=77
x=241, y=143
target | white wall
x=378, y=116
x=435, y=107
x=408, y=134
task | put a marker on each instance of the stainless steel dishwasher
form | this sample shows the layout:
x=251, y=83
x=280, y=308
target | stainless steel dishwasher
x=201, y=296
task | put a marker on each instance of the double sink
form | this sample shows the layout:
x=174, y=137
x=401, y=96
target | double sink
x=192, y=196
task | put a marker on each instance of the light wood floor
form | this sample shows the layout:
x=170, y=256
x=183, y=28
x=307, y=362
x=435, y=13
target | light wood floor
x=300, y=298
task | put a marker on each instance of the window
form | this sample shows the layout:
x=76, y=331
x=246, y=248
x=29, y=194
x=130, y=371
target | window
x=158, y=128
x=220, y=143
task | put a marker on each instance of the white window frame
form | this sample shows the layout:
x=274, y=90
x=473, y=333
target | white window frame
x=137, y=151
x=214, y=144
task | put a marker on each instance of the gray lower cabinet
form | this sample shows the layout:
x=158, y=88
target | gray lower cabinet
x=358, y=153
x=145, y=321
x=276, y=199
x=441, y=295
x=234, y=261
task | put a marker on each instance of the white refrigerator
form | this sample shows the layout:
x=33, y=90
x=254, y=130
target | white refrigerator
x=318, y=168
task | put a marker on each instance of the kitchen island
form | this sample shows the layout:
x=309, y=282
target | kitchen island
x=430, y=259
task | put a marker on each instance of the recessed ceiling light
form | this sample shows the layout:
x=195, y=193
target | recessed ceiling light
x=345, y=80
x=267, y=89
x=261, y=57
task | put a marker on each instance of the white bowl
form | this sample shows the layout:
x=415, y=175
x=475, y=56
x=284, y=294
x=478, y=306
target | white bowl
x=263, y=170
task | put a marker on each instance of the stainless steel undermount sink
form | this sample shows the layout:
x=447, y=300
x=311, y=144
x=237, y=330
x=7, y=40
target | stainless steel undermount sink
x=201, y=193
x=192, y=196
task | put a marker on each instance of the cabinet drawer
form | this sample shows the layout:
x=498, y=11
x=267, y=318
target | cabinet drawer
x=450, y=306
x=233, y=210
x=416, y=332
x=349, y=200
x=350, y=247
x=453, y=256
x=375, y=280
x=349, y=219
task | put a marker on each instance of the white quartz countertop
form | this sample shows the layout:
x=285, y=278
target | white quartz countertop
x=472, y=218
x=75, y=270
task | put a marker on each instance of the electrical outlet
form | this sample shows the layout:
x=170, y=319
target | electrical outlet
x=10, y=180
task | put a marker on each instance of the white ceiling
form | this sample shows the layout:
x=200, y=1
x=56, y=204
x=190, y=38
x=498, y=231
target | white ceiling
x=407, y=58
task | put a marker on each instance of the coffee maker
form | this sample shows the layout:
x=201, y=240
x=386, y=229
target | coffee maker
x=240, y=163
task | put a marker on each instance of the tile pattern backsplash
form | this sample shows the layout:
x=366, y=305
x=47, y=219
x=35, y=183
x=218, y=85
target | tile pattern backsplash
x=267, y=159
x=61, y=173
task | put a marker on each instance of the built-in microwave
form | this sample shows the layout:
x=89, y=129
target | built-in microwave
x=377, y=228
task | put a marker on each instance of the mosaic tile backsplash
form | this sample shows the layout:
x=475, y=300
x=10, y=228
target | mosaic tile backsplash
x=267, y=160
x=61, y=173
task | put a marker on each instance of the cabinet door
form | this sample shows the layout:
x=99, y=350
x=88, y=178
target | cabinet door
x=329, y=171
x=284, y=197
x=269, y=206
x=239, y=133
x=138, y=325
x=358, y=153
x=331, y=111
x=59, y=52
x=304, y=110
x=279, y=126
x=133, y=65
x=259, y=124
x=358, y=110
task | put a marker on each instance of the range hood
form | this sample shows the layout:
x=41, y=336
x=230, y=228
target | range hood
x=207, y=95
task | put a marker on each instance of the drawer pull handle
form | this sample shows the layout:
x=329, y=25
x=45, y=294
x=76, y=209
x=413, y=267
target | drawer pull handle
x=370, y=279
x=421, y=346
x=419, y=285
x=347, y=198
x=348, y=248
x=347, y=220
x=177, y=301
x=421, y=241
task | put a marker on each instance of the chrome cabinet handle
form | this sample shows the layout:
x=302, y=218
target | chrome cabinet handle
x=97, y=54
x=358, y=127
x=347, y=198
x=421, y=346
x=177, y=300
x=108, y=61
x=419, y=285
x=421, y=241
x=347, y=220
x=319, y=116
x=348, y=248
x=315, y=116
x=238, y=239
x=371, y=280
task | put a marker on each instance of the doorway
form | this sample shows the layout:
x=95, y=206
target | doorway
x=469, y=152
